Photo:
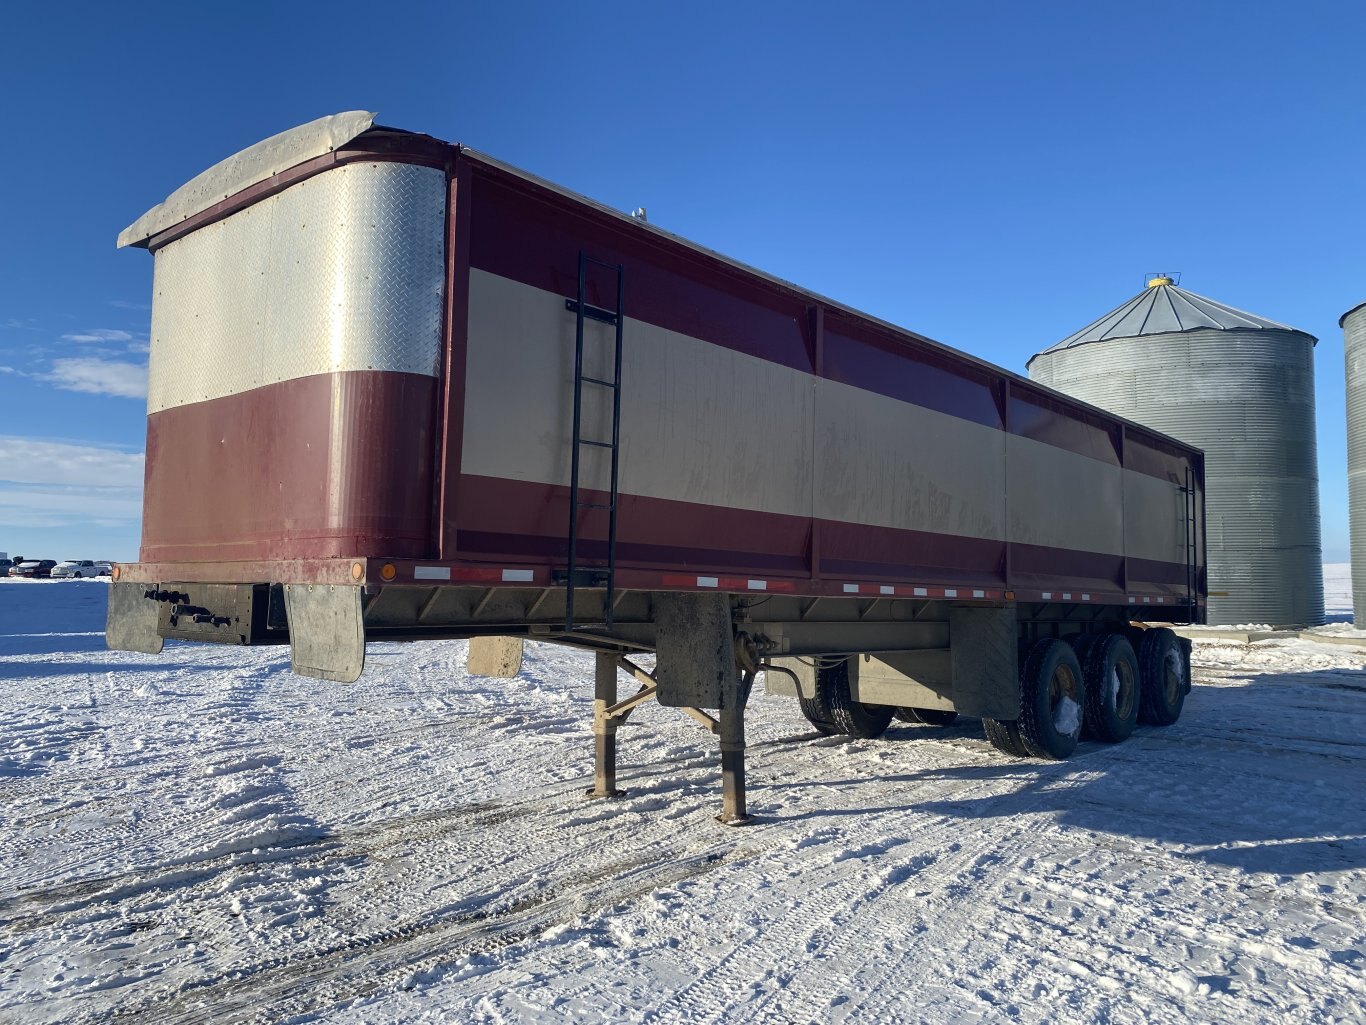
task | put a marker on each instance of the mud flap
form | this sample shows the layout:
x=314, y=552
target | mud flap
x=984, y=648
x=131, y=623
x=499, y=657
x=326, y=631
x=695, y=645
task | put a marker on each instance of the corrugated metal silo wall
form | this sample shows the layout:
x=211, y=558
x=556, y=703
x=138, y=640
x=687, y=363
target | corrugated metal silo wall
x=1247, y=399
x=1354, y=344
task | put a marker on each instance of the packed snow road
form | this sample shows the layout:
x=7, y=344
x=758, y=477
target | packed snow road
x=200, y=836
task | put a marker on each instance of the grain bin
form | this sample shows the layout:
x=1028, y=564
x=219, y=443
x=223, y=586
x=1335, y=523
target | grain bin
x=1353, y=325
x=1242, y=388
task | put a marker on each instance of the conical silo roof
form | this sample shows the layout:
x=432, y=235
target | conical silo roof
x=1166, y=308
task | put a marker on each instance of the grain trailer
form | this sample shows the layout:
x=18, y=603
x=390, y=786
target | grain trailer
x=399, y=389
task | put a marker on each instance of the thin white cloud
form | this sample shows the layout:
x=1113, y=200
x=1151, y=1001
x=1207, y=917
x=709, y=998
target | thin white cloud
x=100, y=377
x=34, y=461
x=100, y=334
x=124, y=304
x=56, y=484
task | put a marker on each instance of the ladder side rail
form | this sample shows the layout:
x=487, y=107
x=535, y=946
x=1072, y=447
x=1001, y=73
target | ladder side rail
x=609, y=601
x=575, y=446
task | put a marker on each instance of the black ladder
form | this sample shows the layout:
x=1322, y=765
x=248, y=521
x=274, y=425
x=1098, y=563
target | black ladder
x=597, y=575
x=1188, y=493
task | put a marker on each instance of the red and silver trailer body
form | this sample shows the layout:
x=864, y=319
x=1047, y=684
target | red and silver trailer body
x=398, y=388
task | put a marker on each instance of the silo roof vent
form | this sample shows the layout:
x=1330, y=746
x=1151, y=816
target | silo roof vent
x=1166, y=308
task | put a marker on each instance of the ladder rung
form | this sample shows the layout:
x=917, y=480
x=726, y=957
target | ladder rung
x=595, y=505
x=596, y=444
x=591, y=312
x=595, y=380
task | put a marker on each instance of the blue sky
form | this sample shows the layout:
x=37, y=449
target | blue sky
x=994, y=175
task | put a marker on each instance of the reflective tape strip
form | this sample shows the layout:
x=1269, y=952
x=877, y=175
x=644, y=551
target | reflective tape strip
x=922, y=592
x=886, y=589
x=950, y=592
x=851, y=588
x=758, y=585
x=524, y=576
x=1066, y=596
x=1048, y=596
x=431, y=572
x=979, y=594
x=707, y=581
x=1085, y=597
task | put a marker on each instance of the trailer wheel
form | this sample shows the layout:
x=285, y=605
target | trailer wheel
x=925, y=716
x=1004, y=737
x=850, y=716
x=818, y=715
x=1113, y=689
x=1052, y=700
x=1165, y=676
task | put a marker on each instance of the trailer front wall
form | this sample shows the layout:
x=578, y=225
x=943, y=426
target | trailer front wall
x=765, y=434
x=293, y=373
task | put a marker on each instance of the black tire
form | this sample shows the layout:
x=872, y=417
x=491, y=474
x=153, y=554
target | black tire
x=850, y=716
x=1052, y=700
x=1004, y=737
x=1113, y=689
x=817, y=714
x=925, y=716
x=1164, y=670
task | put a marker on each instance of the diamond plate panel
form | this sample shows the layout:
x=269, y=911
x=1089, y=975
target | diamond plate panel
x=343, y=271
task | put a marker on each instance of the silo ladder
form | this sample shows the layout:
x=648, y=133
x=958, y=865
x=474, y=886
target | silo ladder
x=600, y=575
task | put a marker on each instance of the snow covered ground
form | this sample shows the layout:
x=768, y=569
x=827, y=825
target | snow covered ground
x=200, y=836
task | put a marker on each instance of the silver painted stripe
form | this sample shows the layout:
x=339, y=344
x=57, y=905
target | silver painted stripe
x=431, y=573
x=518, y=575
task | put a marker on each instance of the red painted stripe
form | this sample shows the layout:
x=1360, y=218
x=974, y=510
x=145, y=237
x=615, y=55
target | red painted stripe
x=519, y=523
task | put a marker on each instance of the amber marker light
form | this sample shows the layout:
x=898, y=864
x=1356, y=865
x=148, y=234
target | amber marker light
x=117, y=572
x=357, y=571
x=387, y=571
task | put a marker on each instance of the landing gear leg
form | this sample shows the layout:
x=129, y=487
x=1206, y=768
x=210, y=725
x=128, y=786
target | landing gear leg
x=605, y=727
x=731, y=730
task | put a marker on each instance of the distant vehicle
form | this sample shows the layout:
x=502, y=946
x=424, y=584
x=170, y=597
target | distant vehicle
x=36, y=568
x=5, y=566
x=75, y=568
x=103, y=568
